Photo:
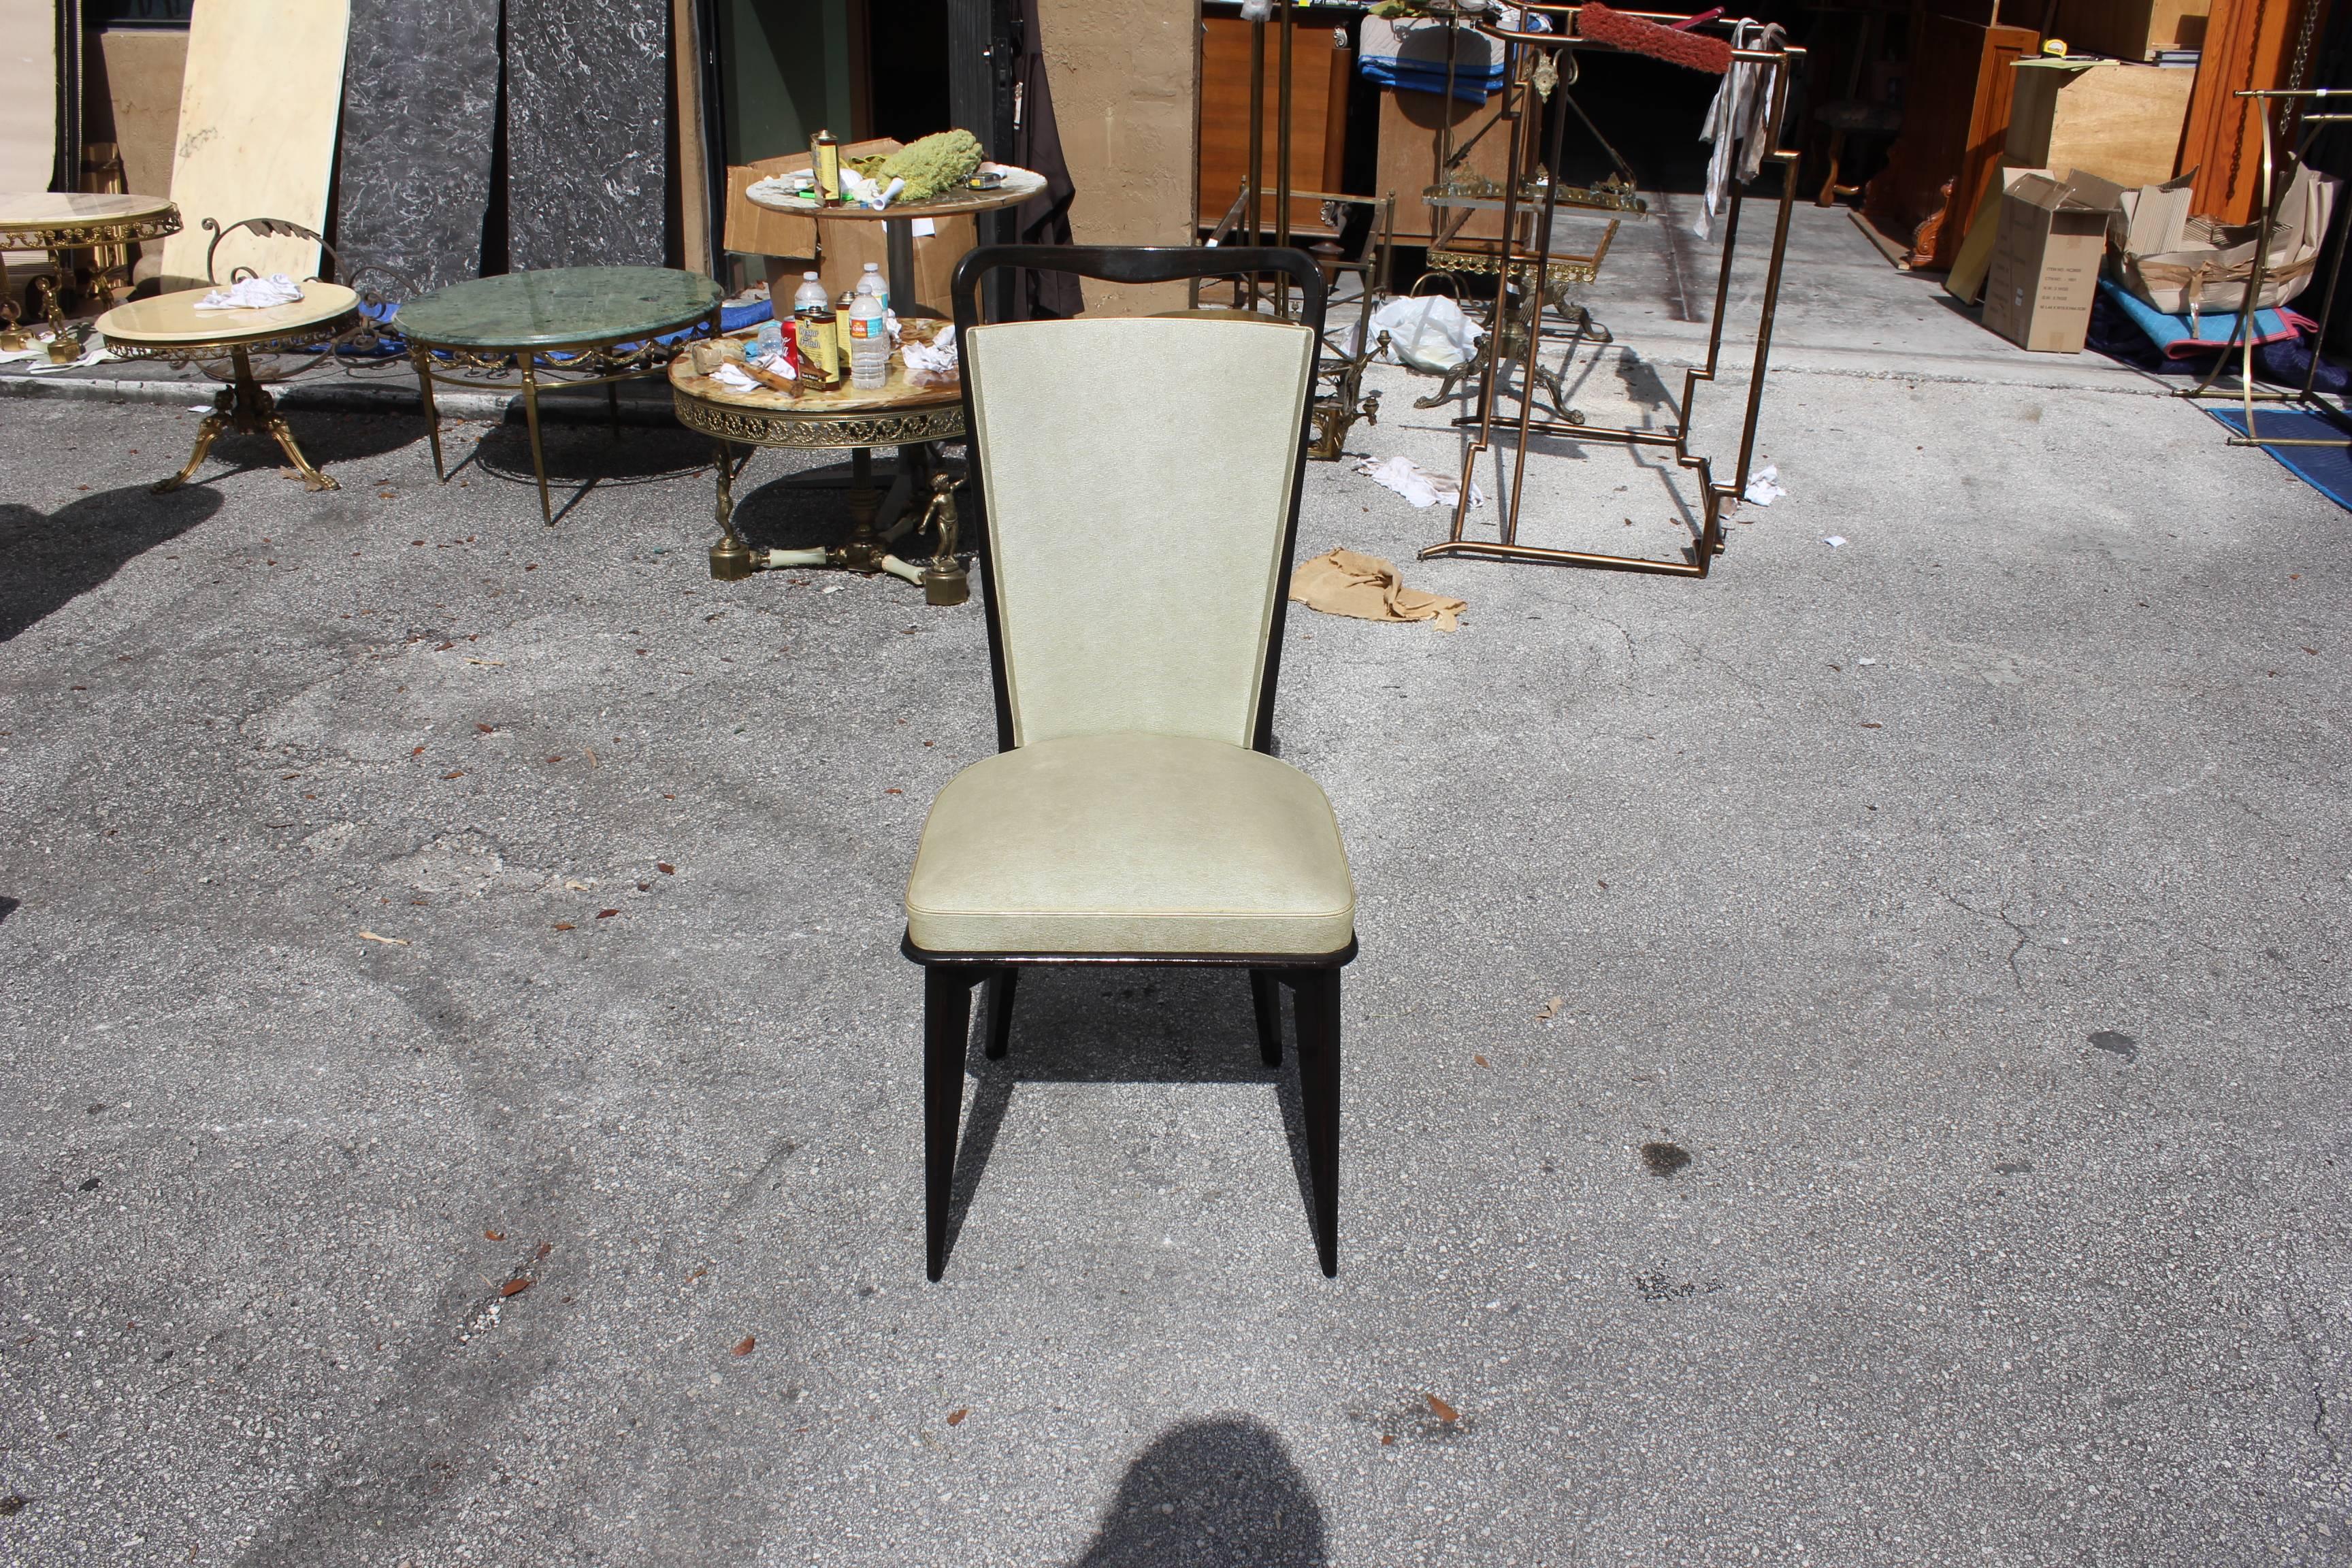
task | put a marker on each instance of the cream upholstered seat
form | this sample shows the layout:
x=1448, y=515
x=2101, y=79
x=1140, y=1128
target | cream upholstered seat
x=1136, y=480
x=1131, y=843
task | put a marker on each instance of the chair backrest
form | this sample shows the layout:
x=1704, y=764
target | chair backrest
x=1138, y=479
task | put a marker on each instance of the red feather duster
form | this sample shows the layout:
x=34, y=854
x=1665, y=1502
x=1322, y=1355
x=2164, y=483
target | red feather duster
x=1620, y=30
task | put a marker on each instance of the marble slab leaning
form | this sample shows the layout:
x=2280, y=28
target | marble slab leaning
x=420, y=113
x=258, y=113
x=586, y=87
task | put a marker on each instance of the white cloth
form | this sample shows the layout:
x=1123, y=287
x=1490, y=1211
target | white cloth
x=1417, y=484
x=1739, y=114
x=253, y=294
x=732, y=378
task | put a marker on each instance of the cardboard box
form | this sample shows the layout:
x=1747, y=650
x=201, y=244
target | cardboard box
x=839, y=249
x=2045, y=263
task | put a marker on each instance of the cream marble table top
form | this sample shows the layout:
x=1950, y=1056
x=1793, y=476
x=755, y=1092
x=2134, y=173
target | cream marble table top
x=52, y=209
x=170, y=321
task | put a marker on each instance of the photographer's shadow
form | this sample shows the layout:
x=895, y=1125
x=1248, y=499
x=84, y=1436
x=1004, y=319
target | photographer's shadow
x=1218, y=1493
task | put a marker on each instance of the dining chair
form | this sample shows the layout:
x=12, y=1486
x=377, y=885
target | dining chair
x=1137, y=482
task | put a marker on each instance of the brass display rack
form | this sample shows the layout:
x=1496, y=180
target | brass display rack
x=1339, y=398
x=1537, y=64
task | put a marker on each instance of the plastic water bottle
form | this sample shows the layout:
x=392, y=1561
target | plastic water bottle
x=769, y=341
x=870, y=344
x=873, y=282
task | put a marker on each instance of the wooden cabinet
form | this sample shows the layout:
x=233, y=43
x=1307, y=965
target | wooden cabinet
x=2110, y=117
x=1320, y=60
x=1954, y=127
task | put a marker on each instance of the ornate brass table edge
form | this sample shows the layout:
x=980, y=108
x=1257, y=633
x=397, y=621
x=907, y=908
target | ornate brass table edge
x=786, y=428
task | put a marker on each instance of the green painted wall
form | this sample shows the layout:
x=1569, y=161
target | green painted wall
x=785, y=65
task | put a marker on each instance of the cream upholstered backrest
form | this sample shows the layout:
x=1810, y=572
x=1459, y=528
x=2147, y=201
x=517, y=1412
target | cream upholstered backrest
x=1138, y=479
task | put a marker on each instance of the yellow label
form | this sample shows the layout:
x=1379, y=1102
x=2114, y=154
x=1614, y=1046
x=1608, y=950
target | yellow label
x=815, y=337
x=828, y=171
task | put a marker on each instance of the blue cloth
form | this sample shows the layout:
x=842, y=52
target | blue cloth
x=1411, y=76
x=2327, y=470
x=732, y=319
x=2166, y=331
x=2284, y=361
x=1411, y=55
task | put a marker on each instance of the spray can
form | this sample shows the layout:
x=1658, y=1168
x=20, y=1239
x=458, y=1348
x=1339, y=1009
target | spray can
x=824, y=163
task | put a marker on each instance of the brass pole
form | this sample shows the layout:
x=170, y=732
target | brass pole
x=1254, y=217
x=1282, y=160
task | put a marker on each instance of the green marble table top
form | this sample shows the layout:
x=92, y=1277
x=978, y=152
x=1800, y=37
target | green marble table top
x=559, y=307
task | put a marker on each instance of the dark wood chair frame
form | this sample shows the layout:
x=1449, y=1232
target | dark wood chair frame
x=949, y=977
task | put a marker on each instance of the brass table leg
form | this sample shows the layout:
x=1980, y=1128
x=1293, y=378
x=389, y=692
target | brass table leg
x=207, y=433
x=730, y=558
x=423, y=359
x=250, y=410
x=863, y=549
x=538, y=456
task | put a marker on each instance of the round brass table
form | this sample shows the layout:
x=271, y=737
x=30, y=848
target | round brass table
x=170, y=327
x=897, y=415
x=63, y=222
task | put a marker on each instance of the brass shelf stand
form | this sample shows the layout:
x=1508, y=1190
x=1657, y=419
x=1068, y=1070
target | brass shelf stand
x=2280, y=104
x=1536, y=63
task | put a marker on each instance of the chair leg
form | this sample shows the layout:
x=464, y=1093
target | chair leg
x=1318, y=1094
x=1266, y=1001
x=1000, y=1011
x=947, y=1025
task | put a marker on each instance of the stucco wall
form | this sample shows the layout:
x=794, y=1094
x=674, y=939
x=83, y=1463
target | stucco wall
x=1122, y=73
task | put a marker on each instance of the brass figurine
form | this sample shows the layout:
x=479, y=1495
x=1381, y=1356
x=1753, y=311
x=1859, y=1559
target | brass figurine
x=944, y=581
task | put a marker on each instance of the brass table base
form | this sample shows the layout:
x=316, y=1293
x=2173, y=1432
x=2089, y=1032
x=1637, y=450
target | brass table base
x=245, y=407
x=865, y=551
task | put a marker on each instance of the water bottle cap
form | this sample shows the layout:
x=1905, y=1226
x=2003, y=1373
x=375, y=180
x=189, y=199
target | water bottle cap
x=873, y=266
x=808, y=277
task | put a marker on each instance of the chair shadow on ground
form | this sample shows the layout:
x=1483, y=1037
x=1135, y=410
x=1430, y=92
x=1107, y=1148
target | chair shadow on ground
x=54, y=558
x=1218, y=1493
x=1168, y=1024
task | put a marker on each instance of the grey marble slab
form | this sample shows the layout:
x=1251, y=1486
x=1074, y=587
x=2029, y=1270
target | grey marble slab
x=420, y=112
x=586, y=143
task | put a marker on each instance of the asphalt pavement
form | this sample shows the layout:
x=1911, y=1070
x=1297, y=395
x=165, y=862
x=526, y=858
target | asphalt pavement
x=1847, y=1063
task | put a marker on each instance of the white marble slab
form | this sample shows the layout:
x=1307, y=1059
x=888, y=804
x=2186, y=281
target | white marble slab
x=258, y=113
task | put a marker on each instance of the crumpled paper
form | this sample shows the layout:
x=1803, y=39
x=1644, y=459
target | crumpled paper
x=253, y=294
x=1764, y=485
x=1417, y=484
x=935, y=363
x=1343, y=583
